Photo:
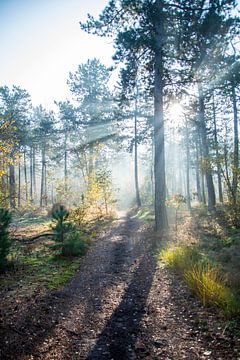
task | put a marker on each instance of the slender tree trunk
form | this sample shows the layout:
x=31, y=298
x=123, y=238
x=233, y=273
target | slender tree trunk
x=12, y=187
x=52, y=192
x=31, y=175
x=199, y=190
x=19, y=184
x=4, y=189
x=220, y=191
x=202, y=170
x=91, y=161
x=188, y=168
x=226, y=174
x=45, y=184
x=159, y=158
x=34, y=174
x=65, y=163
x=25, y=174
x=42, y=177
x=207, y=165
x=203, y=189
x=138, y=199
x=152, y=173
x=236, y=147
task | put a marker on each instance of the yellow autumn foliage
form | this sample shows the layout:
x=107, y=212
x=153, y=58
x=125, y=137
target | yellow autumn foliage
x=8, y=142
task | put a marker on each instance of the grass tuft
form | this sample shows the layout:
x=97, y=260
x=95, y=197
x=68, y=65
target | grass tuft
x=204, y=278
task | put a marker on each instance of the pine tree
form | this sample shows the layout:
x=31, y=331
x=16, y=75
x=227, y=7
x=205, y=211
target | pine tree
x=5, y=242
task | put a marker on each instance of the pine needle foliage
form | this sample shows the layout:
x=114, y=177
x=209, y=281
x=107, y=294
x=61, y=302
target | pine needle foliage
x=5, y=241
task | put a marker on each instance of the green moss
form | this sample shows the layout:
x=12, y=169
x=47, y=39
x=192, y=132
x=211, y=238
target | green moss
x=64, y=274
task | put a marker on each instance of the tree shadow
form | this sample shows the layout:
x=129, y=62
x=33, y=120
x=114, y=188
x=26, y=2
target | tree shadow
x=117, y=340
x=23, y=335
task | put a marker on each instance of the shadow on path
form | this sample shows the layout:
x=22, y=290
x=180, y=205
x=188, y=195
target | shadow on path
x=107, y=262
x=117, y=341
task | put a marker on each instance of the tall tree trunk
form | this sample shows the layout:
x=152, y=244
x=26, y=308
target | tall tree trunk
x=91, y=162
x=19, y=184
x=152, y=171
x=31, y=175
x=25, y=174
x=65, y=163
x=4, y=188
x=198, y=184
x=159, y=159
x=138, y=199
x=45, y=184
x=34, y=174
x=52, y=194
x=188, y=168
x=205, y=148
x=12, y=186
x=42, y=177
x=226, y=174
x=202, y=170
x=236, y=147
x=220, y=191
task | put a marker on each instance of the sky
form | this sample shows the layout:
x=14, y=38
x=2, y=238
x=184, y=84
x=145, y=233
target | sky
x=41, y=42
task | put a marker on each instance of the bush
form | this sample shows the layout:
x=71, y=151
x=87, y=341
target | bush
x=61, y=227
x=5, y=242
x=74, y=245
x=203, y=278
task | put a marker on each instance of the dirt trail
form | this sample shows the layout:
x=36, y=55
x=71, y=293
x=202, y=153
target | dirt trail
x=119, y=305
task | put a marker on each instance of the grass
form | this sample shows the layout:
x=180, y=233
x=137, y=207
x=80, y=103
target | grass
x=48, y=269
x=36, y=265
x=203, y=277
x=145, y=214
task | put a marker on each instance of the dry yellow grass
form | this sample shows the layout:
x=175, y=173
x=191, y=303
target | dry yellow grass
x=203, y=278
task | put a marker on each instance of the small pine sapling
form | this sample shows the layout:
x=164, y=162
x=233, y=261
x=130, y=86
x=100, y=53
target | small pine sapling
x=5, y=242
x=60, y=214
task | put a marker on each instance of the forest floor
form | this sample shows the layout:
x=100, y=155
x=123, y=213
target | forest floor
x=120, y=304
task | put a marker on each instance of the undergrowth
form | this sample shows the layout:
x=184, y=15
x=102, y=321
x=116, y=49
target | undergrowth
x=203, y=277
x=50, y=270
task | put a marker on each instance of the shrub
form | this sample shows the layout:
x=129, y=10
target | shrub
x=74, y=245
x=5, y=242
x=61, y=227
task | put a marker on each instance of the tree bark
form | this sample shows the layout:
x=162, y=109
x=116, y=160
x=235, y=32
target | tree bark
x=31, y=175
x=188, y=168
x=205, y=149
x=235, y=147
x=202, y=170
x=45, y=184
x=34, y=174
x=220, y=191
x=12, y=187
x=159, y=158
x=138, y=199
x=197, y=167
x=19, y=184
x=42, y=178
x=25, y=174
x=65, y=163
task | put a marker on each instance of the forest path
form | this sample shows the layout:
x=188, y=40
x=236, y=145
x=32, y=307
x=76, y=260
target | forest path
x=119, y=305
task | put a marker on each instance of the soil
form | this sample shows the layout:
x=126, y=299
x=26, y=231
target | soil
x=119, y=305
